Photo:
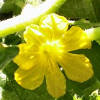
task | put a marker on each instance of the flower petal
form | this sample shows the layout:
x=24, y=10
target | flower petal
x=30, y=79
x=25, y=59
x=75, y=39
x=77, y=67
x=53, y=25
x=33, y=34
x=55, y=80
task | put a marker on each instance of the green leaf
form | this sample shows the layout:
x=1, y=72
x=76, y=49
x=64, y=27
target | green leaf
x=9, y=8
x=84, y=24
x=11, y=5
x=7, y=54
x=85, y=9
x=13, y=39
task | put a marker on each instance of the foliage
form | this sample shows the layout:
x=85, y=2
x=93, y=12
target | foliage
x=86, y=14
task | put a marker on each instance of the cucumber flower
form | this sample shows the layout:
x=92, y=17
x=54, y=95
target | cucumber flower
x=47, y=50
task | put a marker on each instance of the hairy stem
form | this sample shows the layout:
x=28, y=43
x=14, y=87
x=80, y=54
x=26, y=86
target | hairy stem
x=29, y=15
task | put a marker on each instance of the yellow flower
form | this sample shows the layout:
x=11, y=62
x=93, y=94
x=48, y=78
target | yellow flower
x=47, y=48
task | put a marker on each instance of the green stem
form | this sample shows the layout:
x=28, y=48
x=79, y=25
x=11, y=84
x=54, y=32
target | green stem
x=28, y=16
x=94, y=34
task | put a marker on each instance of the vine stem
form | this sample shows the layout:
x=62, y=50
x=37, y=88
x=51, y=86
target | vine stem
x=29, y=15
x=94, y=34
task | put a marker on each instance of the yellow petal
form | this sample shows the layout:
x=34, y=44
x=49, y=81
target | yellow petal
x=33, y=34
x=55, y=80
x=53, y=25
x=75, y=39
x=77, y=67
x=25, y=59
x=30, y=79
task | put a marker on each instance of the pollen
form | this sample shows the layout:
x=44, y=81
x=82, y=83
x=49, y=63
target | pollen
x=54, y=47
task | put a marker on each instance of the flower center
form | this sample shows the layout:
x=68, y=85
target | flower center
x=54, y=47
